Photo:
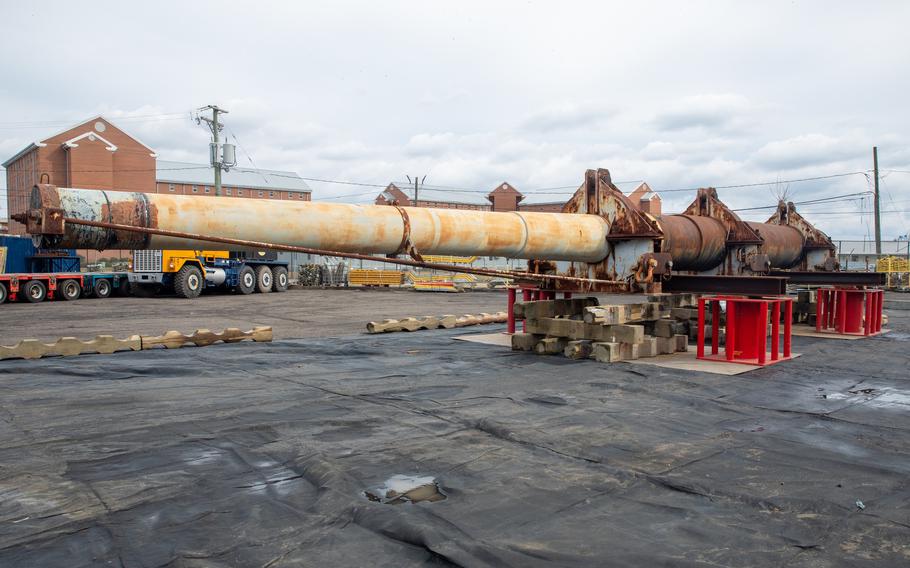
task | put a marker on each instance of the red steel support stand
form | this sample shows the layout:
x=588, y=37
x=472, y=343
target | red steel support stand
x=510, y=311
x=849, y=311
x=746, y=329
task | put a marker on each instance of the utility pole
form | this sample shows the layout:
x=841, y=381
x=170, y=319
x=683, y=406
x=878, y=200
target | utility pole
x=878, y=214
x=416, y=187
x=216, y=158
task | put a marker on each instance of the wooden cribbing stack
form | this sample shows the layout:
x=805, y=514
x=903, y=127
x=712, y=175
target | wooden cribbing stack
x=580, y=328
x=106, y=344
x=434, y=322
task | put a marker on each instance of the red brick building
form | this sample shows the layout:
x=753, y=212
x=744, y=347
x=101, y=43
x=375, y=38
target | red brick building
x=504, y=197
x=644, y=199
x=96, y=154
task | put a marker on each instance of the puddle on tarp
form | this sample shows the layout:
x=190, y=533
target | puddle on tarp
x=400, y=489
x=878, y=397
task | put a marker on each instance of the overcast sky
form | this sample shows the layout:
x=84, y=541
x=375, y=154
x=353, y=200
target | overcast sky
x=470, y=94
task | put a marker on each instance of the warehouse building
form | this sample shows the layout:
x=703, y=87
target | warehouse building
x=96, y=154
x=504, y=197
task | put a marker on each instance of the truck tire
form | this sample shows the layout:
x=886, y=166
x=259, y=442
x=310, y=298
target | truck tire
x=280, y=276
x=35, y=291
x=188, y=283
x=102, y=288
x=264, y=279
x=3, y=294
x=246, y=280
x=70, y=289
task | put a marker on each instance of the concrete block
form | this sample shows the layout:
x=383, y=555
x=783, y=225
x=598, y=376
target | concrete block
x=665, y=345
x=577, y=329
x=648, y=347
x=581, y=349
x=687, y=313
x=666, y=328
x=682, y=342
x=524, y=341
x=550, y=346
x=606, y=352
x=674, y=300
x=624, y=333
x=628, y=351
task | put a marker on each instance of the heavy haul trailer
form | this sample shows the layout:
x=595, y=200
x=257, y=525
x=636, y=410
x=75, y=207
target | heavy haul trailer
x=36, y=287
x=34, y=275
x=188, y=272
x=600, y=242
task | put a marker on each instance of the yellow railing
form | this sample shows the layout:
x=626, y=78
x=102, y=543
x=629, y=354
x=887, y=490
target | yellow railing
x=367, y=277
x=449, y=259
x=892, y=264
x=415, y=279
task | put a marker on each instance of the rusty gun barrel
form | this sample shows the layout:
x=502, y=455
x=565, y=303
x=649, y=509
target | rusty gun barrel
x=345, y=228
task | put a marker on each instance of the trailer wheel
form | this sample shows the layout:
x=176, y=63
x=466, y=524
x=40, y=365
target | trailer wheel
x=280, y=275
x=35, y=291
x=3, y=294
x=70, y=290
x=264, y=279
x=246, y=280
x=102, y=288
x=188, y=282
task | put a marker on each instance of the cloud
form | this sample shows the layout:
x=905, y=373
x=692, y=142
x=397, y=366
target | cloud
x=808, y=150
x=429, y=144
x=659, y=151
x=708, y=111
x=567, y=116
x=348, y=151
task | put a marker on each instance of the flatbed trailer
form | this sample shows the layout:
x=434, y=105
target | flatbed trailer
x=36, y=287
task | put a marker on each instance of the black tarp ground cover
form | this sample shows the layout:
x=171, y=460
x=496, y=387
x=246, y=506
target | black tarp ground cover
x=258, y=454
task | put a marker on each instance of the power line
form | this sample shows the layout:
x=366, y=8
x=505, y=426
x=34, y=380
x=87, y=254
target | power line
x=832, y=199
x=334, y=181
x=344, y=196
x=862, y=213
x=248, y=157
x=744, y=185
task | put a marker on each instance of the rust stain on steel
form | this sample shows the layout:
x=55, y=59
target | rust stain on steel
x=134, y=212
x=45, y=195
x=707, y=204
x=349, y=228
x=814, y=239
x=406, y=233
x=695, y=243
x=195, y=237
x=782, y=244
x=598, y=196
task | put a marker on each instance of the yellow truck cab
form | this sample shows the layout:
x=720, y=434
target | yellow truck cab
x=188, y=272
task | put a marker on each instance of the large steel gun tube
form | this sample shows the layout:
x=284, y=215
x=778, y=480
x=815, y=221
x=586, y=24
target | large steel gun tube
x=783, y=244
x=695, y=243
x=338, y=227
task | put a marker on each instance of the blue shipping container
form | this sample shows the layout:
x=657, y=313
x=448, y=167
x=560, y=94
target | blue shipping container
x=20, y=252
x=18, y=249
